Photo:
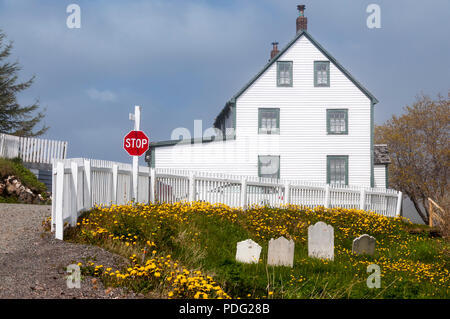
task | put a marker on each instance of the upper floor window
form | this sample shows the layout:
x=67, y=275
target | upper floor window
x=268, y=121
x=337, y=121
x=321, y=73
x=284, y=73
x=269, y=166
x=337, y=169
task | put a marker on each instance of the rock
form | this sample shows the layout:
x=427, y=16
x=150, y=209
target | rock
x=12, y=186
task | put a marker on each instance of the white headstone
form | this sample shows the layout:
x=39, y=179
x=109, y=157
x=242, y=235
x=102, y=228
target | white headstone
x=364, y=244
x=321, y=241
x=248, y=251
x=281, y=252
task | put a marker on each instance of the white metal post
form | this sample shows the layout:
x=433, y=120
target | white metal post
x=399, y=204
x=137, y=124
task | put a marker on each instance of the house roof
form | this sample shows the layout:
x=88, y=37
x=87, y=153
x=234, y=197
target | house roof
x=381, y=154
x=272, y=61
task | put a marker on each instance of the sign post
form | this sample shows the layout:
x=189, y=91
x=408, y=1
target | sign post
x=136, y=144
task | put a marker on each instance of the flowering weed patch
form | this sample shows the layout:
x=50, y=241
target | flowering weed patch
x=187, y=250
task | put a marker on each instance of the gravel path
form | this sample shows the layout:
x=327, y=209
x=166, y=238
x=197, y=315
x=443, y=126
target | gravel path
x=33, y=263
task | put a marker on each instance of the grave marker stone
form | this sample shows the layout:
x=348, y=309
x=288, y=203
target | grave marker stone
x=321, y=241
x=281, y=252
x=364, y=245
x=248, y=251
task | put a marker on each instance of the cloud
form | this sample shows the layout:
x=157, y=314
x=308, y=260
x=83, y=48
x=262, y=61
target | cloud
x=102, y=96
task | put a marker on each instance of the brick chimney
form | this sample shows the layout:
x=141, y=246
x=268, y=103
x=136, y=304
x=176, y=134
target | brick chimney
x=274, y=51
x=302, y=21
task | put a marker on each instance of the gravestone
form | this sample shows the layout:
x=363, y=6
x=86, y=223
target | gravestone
x=364, y=244
x=248, y=251
x=321, y=241
x=281, y=252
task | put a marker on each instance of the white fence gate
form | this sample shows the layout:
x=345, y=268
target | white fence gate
x=79, y=183
x=32, y=150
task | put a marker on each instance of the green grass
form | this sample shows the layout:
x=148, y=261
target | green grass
x=203, y=237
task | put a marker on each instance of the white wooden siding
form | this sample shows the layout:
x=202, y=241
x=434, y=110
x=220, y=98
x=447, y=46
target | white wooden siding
x=379, y=172
x=303, y=143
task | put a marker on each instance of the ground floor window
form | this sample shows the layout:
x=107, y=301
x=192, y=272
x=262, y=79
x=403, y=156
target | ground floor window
x=337, y=169
x=269, y=166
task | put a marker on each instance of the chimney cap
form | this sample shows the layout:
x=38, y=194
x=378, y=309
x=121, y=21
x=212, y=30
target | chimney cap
x=301, y=9
x=274, y=43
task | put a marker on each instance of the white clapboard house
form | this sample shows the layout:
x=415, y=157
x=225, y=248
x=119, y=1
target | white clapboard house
x=303, y=116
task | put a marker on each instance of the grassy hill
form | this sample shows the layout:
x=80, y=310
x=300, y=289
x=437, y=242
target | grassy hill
x=188, y=251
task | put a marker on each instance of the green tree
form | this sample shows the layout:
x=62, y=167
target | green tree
x=419, y=146
x=16, y=119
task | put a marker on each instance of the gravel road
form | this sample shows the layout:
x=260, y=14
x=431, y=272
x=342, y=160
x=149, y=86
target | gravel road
x=33, y=263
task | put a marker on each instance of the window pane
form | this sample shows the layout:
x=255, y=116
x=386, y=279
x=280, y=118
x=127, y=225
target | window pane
x=337, y=170
x=321, y=73
x=284, y=73
x=269, y=119
x=337, y=121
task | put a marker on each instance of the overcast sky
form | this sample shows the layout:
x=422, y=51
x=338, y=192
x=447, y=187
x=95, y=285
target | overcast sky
x=182, y=60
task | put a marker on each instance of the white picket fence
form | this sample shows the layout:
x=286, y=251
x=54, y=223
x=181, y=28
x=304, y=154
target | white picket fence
x=30, y=149
x=79, y=184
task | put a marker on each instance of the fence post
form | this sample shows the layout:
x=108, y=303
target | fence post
x=74, y=208
x=88, y=175
x=152, y=185
x=287, y=193
x=326, y=204
x=362, y=199
x=115, y=172
x=59, y=220
x=52, y=223
x=399, y=204
x=244, y=193
x=191, y=187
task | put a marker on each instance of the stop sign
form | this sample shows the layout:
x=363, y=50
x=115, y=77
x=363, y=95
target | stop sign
x=135, y=143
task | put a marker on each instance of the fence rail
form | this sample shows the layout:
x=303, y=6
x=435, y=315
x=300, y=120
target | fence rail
x=30, y=149
x=80, y=183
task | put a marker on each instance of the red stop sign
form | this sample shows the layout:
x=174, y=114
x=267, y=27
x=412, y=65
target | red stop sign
x=135, y=143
